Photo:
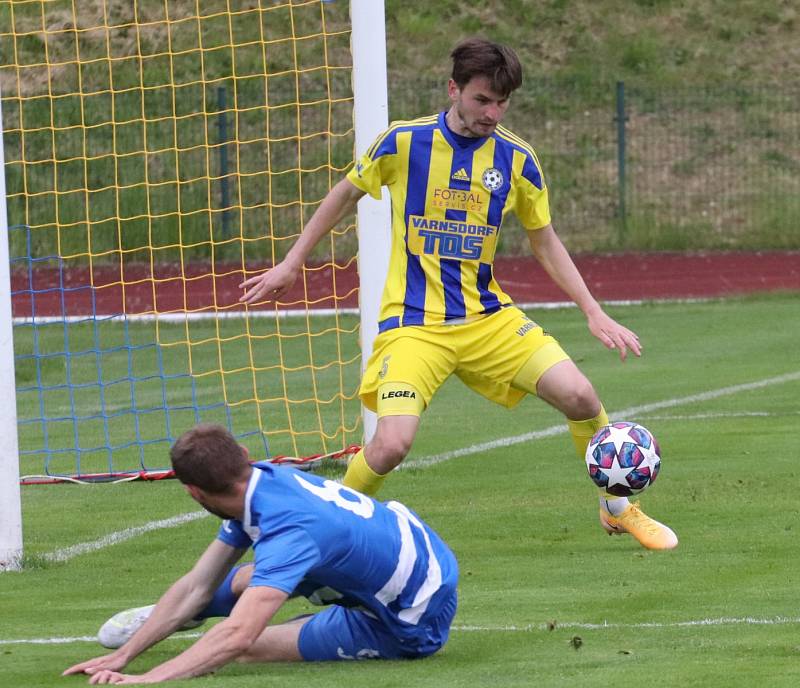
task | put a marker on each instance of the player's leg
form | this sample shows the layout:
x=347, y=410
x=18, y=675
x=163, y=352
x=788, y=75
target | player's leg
x=566, y=388
x=506, y=356
x=562, y=385
x=341, y=633
x=403, y=374
x=278, y=643
x=391, y=443
x=337, y=633
x=228, y=593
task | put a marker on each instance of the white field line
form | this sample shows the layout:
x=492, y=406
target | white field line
x=529, y=628
x=146, y=398
x=68, y=553
x=734, y=414
x=576, y=625
x=190, y=316
x=626, y=413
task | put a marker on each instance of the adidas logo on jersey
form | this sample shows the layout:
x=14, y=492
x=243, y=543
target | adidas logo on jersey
x=460, y=176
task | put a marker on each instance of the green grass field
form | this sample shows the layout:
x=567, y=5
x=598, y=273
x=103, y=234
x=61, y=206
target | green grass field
x=546, y=598
x=139, y=383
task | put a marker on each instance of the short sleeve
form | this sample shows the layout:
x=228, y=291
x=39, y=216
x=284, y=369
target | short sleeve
x=282, y=560
x=231, y=533
x=375, y=168
x=533, y=207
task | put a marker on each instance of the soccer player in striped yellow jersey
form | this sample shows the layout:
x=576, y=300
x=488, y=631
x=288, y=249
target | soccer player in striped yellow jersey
x=452, y=178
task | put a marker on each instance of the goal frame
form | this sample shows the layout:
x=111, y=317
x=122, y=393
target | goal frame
x=10, y=502
x=370, y=118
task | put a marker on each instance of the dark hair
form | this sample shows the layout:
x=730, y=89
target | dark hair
x=209, y=457
x=479, y=57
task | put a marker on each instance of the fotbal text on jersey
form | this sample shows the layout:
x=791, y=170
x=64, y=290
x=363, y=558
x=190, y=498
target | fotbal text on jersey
x=455, y=199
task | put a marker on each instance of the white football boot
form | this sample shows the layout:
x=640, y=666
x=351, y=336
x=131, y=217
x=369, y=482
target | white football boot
x=119, y=628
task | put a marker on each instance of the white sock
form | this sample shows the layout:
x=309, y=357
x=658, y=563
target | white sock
x=614, y=506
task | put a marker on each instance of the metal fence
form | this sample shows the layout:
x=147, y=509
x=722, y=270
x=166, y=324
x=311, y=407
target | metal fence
x=628, y=167
x=637, y=167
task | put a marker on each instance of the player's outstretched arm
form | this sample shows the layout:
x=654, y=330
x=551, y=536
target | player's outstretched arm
x=613, y=334
x=554, y=258
x=182, y=602
x=116, y=661
x=223, y=643
x=272, y=284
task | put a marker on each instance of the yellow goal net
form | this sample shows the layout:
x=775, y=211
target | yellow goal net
x=157, y=153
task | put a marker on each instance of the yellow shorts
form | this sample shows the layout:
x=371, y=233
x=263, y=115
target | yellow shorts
x=486, y=354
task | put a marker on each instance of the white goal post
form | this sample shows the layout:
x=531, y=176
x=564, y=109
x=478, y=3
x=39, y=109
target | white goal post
x=10, y=506
x=371, y=117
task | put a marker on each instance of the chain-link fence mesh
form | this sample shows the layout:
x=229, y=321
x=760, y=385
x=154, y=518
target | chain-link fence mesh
x=648, y=168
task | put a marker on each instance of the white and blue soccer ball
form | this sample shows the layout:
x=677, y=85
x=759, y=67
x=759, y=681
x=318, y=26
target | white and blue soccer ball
x=623, y=458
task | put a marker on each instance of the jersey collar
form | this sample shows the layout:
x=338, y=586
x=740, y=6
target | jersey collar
x=253, y=531
x=457, y=141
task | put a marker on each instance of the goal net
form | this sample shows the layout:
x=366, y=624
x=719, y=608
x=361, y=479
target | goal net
x=156, y=154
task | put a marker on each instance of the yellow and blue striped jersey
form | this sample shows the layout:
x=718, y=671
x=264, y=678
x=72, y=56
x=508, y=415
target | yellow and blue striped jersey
x=449, y=196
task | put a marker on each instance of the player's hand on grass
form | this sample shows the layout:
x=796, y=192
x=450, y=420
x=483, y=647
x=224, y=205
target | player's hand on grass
x=613, y=335
x=113, y=662
x=107, y=676
x=269, y=285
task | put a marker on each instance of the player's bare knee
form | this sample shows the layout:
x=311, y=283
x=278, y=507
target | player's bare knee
x=389, y=450
x=581, y=402
x=399, y=447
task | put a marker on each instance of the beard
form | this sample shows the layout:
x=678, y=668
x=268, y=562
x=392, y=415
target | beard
x=217, y=512
x=471, y=126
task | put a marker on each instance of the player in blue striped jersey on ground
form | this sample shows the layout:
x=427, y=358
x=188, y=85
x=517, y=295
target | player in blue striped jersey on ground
x=389, y=579
x=452, y=178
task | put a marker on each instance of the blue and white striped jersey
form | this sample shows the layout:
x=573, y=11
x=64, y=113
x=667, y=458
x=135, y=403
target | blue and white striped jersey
x=379, y=556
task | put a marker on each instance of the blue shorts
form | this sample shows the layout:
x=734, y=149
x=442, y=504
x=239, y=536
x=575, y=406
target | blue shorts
x=343, y=633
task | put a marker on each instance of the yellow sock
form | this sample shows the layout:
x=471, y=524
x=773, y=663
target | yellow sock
x=583, y=430
x=361, y=477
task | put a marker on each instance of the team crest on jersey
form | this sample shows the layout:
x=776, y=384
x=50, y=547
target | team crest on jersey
x=492, y=178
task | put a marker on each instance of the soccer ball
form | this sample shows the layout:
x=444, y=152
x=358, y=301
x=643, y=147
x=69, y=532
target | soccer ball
x=623, y=458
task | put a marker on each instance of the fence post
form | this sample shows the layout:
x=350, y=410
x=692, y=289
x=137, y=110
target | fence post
x=222, y=134
x=621, y=118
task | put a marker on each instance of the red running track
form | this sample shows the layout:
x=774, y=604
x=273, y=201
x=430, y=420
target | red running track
x=77, y=292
